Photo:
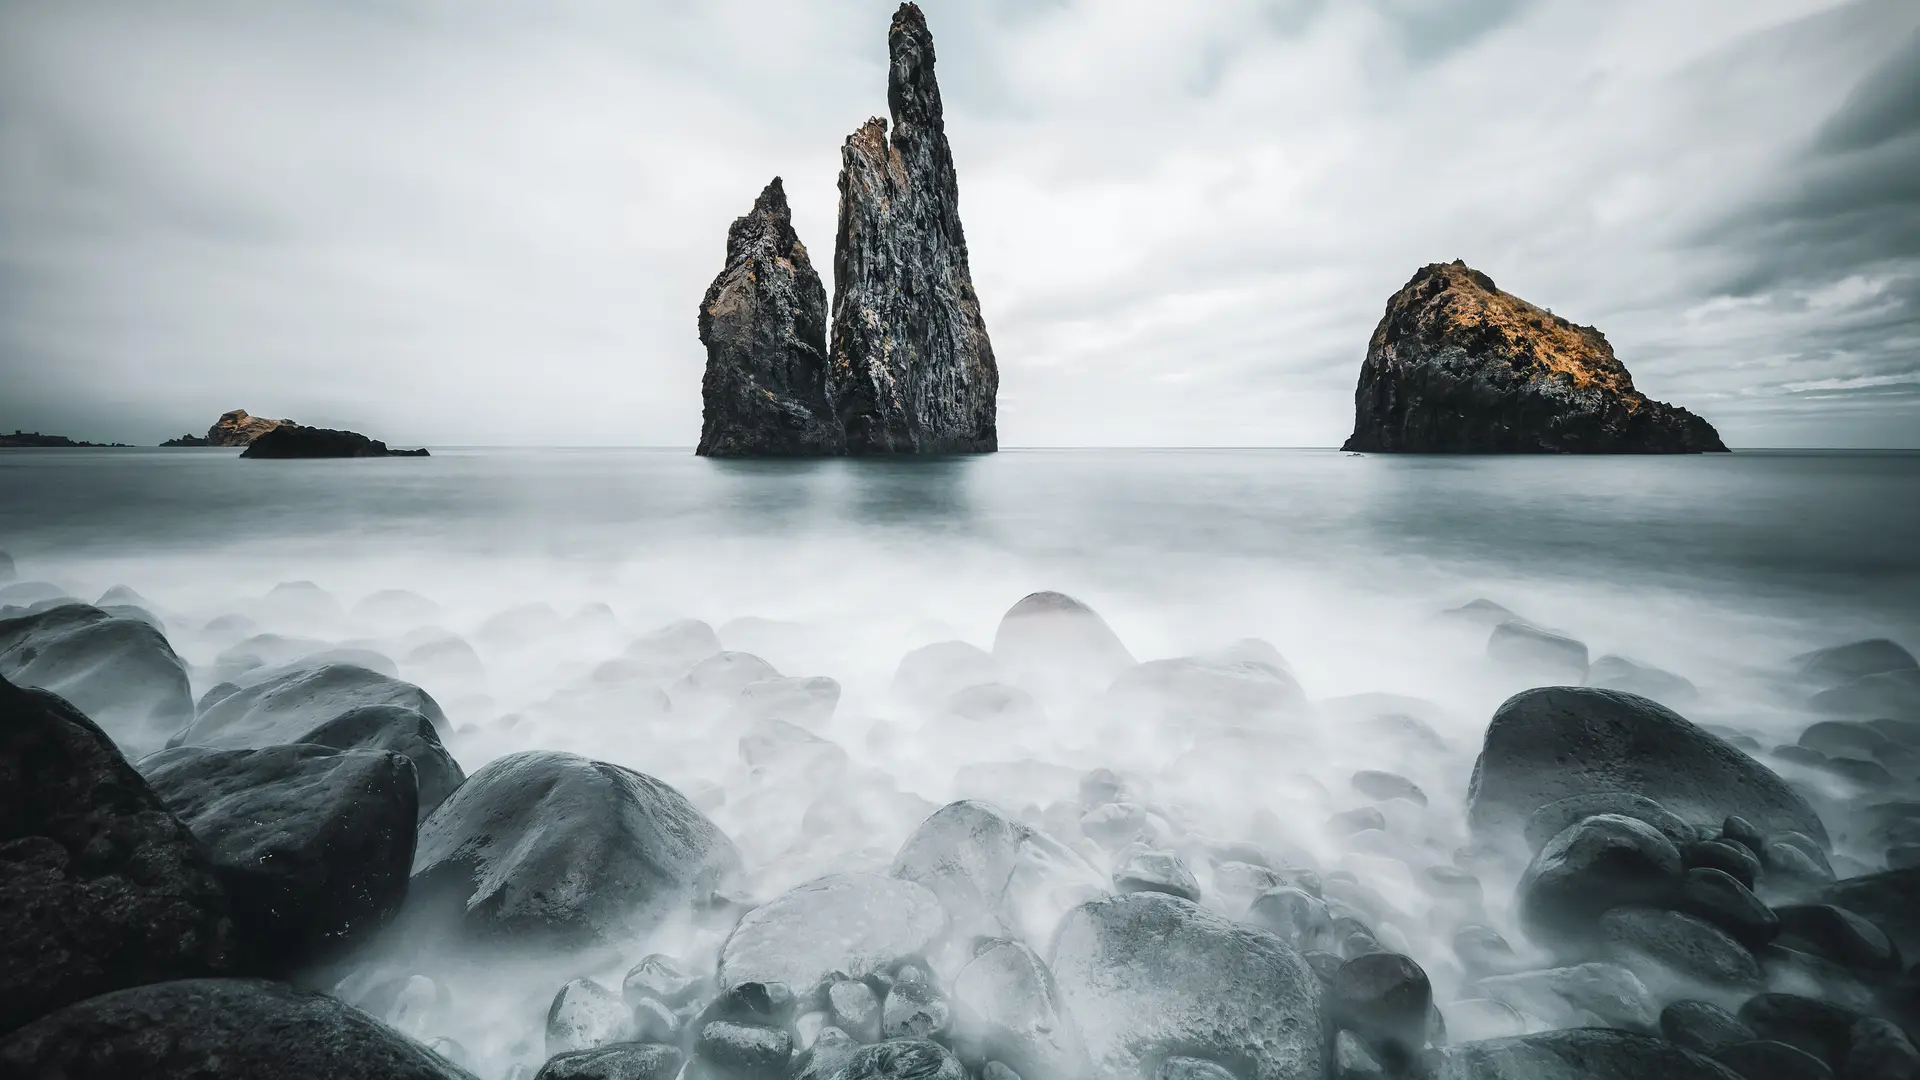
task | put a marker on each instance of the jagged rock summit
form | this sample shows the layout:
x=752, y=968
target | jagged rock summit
x=235, y=428
x=1457, y=365
x=764, y=324
x=912, y=369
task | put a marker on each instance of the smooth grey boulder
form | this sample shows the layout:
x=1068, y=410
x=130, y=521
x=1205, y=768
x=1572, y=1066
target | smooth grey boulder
x=1633, y=677
x=266, y=652
x=1836, y=934
x=120, y=672
x=1720, y=899
x=552, y=850
x=1890, y=900
x=1839, y=664
x=1526, y=650
x=838, y=926
x=284, y=706
x=217, y=1029
x=1887, y=694
x=1386, y=1000
x=313, y=845
x=1579, y=1054
x=1555, y=742
x=1149, y=975
x=1702, y=1026
x=1007, y=1008
x=585, y=1016
x=1549, y=821
x=1055, y=646
x=1157, y=871
x=621, y=1061
x=101, y=886
x=1602, y=862
x=1673, y=952
x=1598, y=991
x=996, y=876
x=402, y=731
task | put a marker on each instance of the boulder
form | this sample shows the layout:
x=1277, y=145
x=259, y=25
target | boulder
x=297, y=441
x=1821, y=1028
x=912, y=371
x=1720, y=899
x=1056, y=646
x=1603, y=862
x=1702, y=1026
x=1555, y=742
x=1384, y=786
x=284, y=707
x=763, y=322
x=1878, y=1050
x=725, y=1050
x=996, y=877
x=1598, y=991
x=1148, y=975
x=1890, y=693
x=1890, y=900
x=217, y=1029
x=398, y=607
x=1836, y=934
x=1550, y=820
x=402, y=731
x=584, y=1016
x=807, y=702
x=1769, y=1060
x=1542, y=655
x=1458, y=366
x=1633, y=677
x=855, y=1009
x=624, y=1061
x=1729, y=857
x=928, y=676
x=1386, y=1000
x=915, y=1009
x=544, y=849
x=1007, y=1008
x=101, y=887
x=120, y=672
x=1156, y=871
x=1580, y=1054
x=314, y=845
x=1840, y=664
x=839, y=926
x=1674, y=952
x=896, y=1059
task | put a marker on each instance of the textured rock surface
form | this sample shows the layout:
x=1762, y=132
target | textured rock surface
x=120, y=672
x=845, y=925
x=217, y=1029
x=286, y=706
x=912, y=370
x=101, y=887
x=1580, y=1054
x=298, y=441
x=764, y=325
x=1456, y=365
x=996, y=876
x=236, y=428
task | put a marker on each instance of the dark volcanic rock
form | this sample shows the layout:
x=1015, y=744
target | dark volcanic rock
x=101, y=887
x=1555, y=742
x=284, y=707
x=404, y=731
x=314, y=845
x=217, y=1029
x=1836, y=934
x=764, y=325
x=545, y=848
x=1456, y=365
x=1603, y=862
x=1580, y=1054
x=1149, y=975
x=1889, y=900
x=296, y=441
x=912, y=370
x=1384, y=998
x=120, y=672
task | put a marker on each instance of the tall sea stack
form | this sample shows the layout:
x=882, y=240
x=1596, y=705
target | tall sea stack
x=1456, y=365
x=764, y=323
x=911, y=368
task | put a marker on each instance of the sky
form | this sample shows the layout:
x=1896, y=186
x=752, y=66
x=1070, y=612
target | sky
x=483, y=222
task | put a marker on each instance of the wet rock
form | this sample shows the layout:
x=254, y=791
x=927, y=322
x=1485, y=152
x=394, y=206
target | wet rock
x=1352, y=1060
x=1702, y=1026
x=1147, y=975
x=1056, y=646
x=1456, y=365
x=654, y=1020
x=101, y=887
x=1839, y=664
x=1790, y=971
x=1673, y=952
x=1731, y=859
x=1550, y=820
x=120, y=672
x=262, y=652
x=1384, y=998
x=915, y=1010
x=855, y=1009
x=1763, y=1059
x=1721, y=900
x=1484, y=1018
x=402, y=731
x=1376, y=784
x=1890, y=900
x=763, y=322
x=1482, y=951
x=764, y=1004
x=284, y=707
x=1846, y=738
x=1580, y=1054
x=1552, y=743
x=734, y=1051
x=1537, y=654
x=1157, y=871
x=911, y=368
x=662, y=977
x=996, y=876
x=1294, y=916
x=313, y=845
x=1571, y=996
x=839, y=926
x=585, y=1015
x=928, y=676
x=1632, y=677
x=823, y=1058
x=1793, y=871
x=1895, y=693
x=1818, y=1027
x=1836, y=934
x=545, y=850
x=1878, y=1050
x=1186, y=1068
x=625, y=1061
x=1007, y=1008
x=297, y=441
x=1603, y=862
x=898, y=1059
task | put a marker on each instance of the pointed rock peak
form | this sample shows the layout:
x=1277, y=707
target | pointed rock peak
x=768, y=226
x=912, y=94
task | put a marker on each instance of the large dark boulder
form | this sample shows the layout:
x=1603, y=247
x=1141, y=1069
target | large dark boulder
x=764, y=325
x=120, y=672
x=1890, y=900
x=403, y=731
x=101, y=887
x=1457, y=365
x=314, y=845
x=996, y=876
x=298, y=441
x=217, y=1029
x=1579, y=1054
x=1149, y=975
x=912, y=370
x=1554, y=742
x=1605, y=861
x=285, y=706
x=838, y=926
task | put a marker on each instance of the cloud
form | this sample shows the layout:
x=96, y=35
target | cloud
x=491, y=221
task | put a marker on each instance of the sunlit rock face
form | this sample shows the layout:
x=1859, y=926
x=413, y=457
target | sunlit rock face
x=912, y=369
x=1457, y=365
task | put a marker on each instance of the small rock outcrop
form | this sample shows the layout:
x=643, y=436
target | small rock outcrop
x=764, y=325
x=236, y=428
x=1458, y=366
x=296, y=441
x=912, y=370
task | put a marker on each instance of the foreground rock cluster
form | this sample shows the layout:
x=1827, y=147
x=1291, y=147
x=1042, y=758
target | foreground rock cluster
x=1458, y=365
x=293, y=875
x=910, y=369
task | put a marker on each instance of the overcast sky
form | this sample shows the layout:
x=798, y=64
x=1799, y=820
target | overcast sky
x=482, y=221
